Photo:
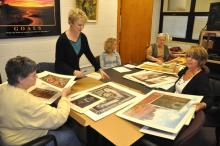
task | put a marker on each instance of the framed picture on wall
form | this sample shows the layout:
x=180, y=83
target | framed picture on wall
x=29, y=18
x=89, y=7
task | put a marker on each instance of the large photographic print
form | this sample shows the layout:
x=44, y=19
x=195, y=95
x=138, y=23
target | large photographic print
x=165, y=68
x=116, y=97
x=151, y=78
x=56, y=81
x=28, y=18
x=161, y=110
x=45, y=93
x=83, y=102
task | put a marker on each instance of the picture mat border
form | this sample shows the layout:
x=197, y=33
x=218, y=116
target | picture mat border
x=96, y=117
x=69, y=83
x=42, y=85
x=164, y=134
x=83, y=110
x=151, y=63
x=151, y=123
x=129, y=77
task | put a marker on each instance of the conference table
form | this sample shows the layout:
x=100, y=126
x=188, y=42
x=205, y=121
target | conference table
x=118, y=131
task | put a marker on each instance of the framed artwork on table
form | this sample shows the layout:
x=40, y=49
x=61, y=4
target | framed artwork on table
x=56, y=81
x=29, y=18
x=152, y=110
x=89, y=7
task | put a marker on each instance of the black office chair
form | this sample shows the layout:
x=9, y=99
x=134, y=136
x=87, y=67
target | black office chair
x=45, y=66
x=183, y=138
x=212, y=114
x=41, y=141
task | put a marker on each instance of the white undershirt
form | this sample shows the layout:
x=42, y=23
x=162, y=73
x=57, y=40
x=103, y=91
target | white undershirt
x=181, y=84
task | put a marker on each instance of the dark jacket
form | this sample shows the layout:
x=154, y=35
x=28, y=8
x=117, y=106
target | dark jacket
x=198, y=85
x=66, y=60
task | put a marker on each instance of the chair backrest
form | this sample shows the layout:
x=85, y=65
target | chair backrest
x=189, y=132
x=215, y=89
x=45, y=66
x=41, y=141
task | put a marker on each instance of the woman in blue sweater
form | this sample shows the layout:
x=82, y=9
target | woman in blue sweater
x=72, y=44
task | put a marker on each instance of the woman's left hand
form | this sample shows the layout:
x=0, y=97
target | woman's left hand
x=200, y=106
x=103, y=74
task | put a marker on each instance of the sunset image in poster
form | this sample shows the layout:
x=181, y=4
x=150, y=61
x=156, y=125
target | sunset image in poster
x=27, y=12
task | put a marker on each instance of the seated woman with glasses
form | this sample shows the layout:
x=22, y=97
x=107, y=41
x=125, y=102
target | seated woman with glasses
x=23, y=117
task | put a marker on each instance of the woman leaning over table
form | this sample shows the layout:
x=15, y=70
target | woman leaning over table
x=72, y=44
x=23, y=117
x=194, y=78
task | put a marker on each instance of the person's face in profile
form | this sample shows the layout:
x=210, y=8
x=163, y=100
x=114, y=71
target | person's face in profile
x=78, y=25
x=29, y=81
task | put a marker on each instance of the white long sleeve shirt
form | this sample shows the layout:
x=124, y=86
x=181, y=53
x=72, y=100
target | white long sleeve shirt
x=23, y=117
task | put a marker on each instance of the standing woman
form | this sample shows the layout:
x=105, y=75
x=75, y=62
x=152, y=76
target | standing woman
x=72, y=44
x=194, y=79
x=159, y=52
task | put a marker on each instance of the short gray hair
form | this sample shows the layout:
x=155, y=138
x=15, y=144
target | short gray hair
x=19, y=67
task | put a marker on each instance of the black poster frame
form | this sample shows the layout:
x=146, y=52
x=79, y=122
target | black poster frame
x=22, y=21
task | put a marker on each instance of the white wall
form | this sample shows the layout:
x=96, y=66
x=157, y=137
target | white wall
x=43, y=48
x=155, y=20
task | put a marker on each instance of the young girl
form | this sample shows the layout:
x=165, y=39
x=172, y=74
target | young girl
x=110, y=58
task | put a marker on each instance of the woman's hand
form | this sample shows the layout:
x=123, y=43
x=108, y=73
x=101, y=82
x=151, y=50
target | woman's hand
x=103, y=74
x=200, y=106
x=159, y=62
x=78, y=74
x=66, y=92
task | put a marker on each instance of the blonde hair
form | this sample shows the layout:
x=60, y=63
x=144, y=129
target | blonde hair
x=109, y=44
x=198, y=53
x=75, y=15
x=164, y=35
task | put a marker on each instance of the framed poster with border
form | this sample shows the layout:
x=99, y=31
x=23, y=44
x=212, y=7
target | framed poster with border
x=89, y=7
x=29, y=18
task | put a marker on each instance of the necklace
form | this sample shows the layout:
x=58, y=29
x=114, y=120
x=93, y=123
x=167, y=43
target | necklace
x=190, y=74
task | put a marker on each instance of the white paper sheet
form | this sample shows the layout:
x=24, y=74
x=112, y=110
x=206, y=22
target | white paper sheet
x=121, y=69
x=130, y=66
x=94, y=75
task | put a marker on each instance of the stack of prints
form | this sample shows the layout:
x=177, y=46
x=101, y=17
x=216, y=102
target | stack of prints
x=103, y=100
x=163, y=111
x=151, y=78
x=48, y=86
x=165, y=68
